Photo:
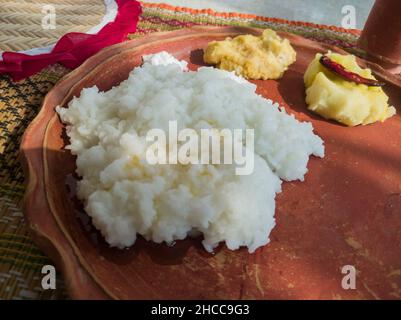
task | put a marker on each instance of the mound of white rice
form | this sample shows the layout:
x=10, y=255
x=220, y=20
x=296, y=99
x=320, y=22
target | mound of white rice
x=126, y=195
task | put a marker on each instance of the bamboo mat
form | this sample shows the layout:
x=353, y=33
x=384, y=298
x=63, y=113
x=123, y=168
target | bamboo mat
x=21, y=21
x=20, y=259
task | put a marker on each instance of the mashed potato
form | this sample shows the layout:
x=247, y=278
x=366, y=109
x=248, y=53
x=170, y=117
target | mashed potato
x=126, y=196
x=332, y=97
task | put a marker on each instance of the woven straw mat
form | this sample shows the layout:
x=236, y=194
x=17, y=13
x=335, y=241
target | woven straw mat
x=21, y=21
x=20, y=259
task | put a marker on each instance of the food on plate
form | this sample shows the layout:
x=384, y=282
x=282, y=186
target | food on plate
x=125, y=195
x=338, y=88
x=254, y=57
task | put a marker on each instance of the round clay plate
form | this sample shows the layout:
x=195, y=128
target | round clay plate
x=347, y=212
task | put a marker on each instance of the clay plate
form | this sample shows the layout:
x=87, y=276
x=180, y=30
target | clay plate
x=347, y=212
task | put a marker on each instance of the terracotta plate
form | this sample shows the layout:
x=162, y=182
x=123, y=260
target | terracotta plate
x=347, y=212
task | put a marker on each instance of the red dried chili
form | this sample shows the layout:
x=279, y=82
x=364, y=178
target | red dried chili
x=348, y=75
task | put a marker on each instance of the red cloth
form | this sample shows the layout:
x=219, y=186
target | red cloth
x=74, y=48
